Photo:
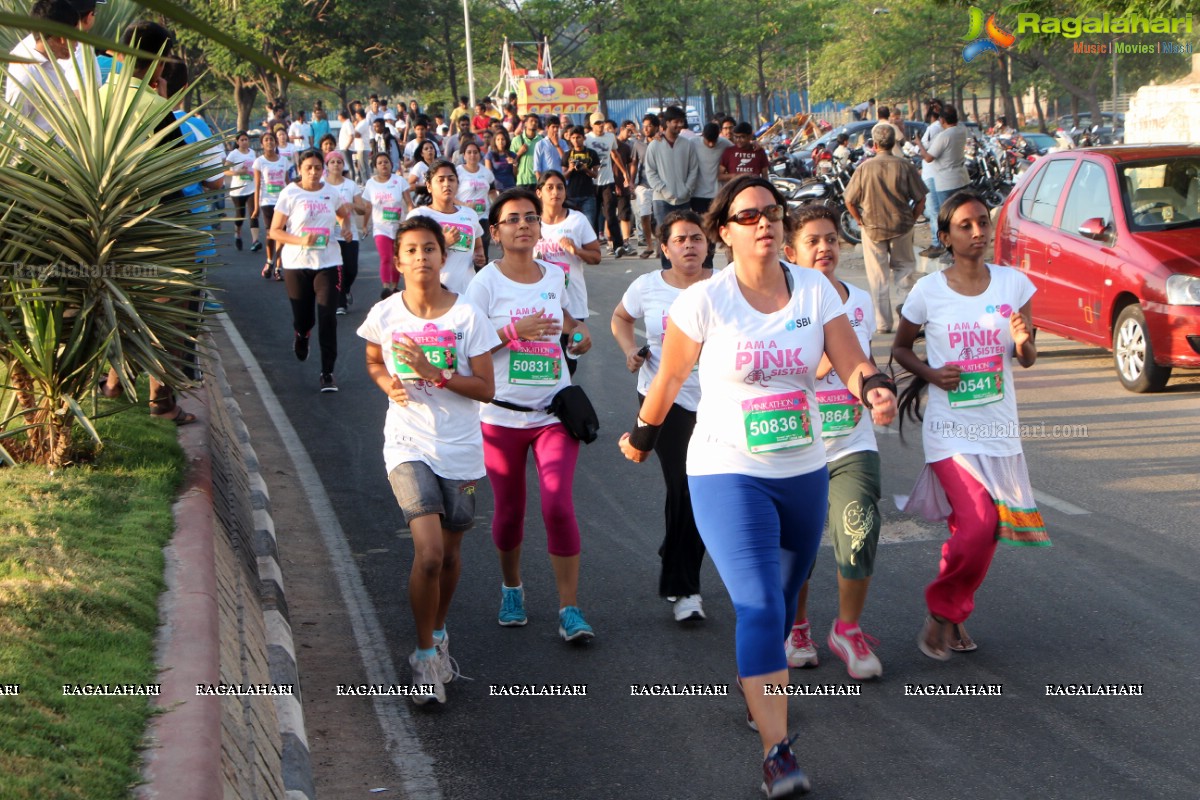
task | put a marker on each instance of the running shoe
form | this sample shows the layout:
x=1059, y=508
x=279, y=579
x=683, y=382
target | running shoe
x=349, y=299
x=572, y=626
x=425, y=676
x=447, y=667
x=801, y=651
x=341, y=311
x=267, y=269
x=933, y=251
x=237, y=242
x=646, y=253
x=512, y=606
x=854, y=647
x=782, y=776
x=327, y=383
x=254, y=248
x=689, y=608
x=300, y=347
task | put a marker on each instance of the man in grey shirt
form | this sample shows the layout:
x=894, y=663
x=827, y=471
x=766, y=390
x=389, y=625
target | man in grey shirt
x=945, y=156
x=672, y=170
x=709, y=149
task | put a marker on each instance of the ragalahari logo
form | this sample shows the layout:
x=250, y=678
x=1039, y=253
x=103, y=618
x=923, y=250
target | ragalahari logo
x=985, y=37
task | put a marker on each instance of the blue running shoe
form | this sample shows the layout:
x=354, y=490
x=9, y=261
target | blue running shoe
x=782, y=776
x=572, y=626
x=512, y=606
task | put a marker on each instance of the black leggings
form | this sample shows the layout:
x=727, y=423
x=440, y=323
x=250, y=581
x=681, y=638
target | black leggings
x=241, y=211
x=305, y=286
x=348, y=271
x=682, y=550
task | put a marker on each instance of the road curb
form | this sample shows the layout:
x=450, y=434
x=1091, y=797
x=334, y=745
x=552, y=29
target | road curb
x=183, y=759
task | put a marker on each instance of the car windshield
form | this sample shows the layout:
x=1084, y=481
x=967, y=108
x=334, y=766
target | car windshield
x=1161, y=194
x=1040, y=140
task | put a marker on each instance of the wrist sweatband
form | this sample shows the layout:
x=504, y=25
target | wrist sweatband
x=644, y=435
x=510, y=330
x=876, y=381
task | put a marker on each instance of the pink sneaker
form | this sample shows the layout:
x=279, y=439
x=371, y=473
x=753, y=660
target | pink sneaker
x=801, y=651
x=853, y=648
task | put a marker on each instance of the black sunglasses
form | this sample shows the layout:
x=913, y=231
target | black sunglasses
x=750, y=216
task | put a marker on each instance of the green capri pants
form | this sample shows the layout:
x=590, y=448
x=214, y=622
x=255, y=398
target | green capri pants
x=853, y=521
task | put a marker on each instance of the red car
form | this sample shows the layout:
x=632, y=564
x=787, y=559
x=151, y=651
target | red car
x=1111, y=238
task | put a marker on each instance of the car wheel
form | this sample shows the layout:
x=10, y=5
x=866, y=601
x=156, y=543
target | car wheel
x=1133, y=355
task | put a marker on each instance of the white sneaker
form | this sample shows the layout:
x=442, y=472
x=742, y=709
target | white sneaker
x=425, y=674
x=689, y=608
x=853, y=648
x=446, y=667
x=801, y=651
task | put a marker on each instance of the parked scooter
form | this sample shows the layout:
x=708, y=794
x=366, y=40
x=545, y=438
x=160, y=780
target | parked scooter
x=829, y=190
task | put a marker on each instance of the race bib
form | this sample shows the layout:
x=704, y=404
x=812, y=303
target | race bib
x=840, y=412
x=981, y=382
x=437, y=345
x=391, y=213
x=777, y=422
x=566, y=268
x=322, y=238
x=464, y=239
x=274, y=188
x=535, y=364
x=479, y=206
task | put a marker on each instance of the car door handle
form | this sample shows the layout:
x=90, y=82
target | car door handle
x=1054, y=250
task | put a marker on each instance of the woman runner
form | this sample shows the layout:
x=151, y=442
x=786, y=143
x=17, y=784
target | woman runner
x=308, y=218
x=476, y=187
x=500, y=161
x=523, y=298
x=649, y=298
x=351, y=193
x=239, y=166
x=429, y=351
x=568, y=241
x=975, y=317
x=853, y=462
x=758, y=329
x=389, y=199
x=461, y=226
x=270, y=176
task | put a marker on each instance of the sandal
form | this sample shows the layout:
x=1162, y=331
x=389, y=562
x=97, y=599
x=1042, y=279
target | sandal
x=173, y=413
x=278, y=273
x=266, y=271
x=959, y=640
x=932, y=639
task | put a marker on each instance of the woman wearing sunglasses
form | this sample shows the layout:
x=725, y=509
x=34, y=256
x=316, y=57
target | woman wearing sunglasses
x=523, y=297
x=758, y=330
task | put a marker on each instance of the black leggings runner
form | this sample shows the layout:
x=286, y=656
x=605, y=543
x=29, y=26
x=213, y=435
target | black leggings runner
x=348, y=271
x=241, y=211
x=304, y=286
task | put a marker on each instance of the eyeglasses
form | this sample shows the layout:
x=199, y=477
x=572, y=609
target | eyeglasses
x=750, y=216
x=528, y=219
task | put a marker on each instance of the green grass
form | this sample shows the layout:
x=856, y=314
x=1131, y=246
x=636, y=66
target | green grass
x=80, y=573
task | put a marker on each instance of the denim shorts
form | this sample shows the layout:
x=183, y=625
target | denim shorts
x=420, y=492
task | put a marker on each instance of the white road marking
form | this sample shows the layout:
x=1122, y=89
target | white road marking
x=412, y=764
x=1062, y=506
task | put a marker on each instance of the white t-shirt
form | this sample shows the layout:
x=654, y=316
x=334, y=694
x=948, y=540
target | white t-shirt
x=459, y=268
x=649, y=298
x=981, y=416
x=274, y=178
x=26, y=74
x=288, y=151
x=473, y=188
x=532, y=376
x=577, y=228
x=387, y=204
x=241, y=185
x=758, y=413
x=927, y=169
x=311, y=212
x=362, y=141
x=72, y=74
x=438, y=427
x=846, y=425
x=347, y=191
x=410, y=149
x=345, y=135
x=603, y=145
x=303, y=132
x=417, y=173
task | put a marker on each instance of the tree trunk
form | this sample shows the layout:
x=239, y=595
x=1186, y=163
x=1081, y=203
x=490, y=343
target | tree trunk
x=975, y=107
x=1074, y=111
x=762, y=77
x=449, y=47
x=1010, y=107
x=992, y=93
x=343, y=97
x=245, y=94
x=709, y=111
x=1037, y=104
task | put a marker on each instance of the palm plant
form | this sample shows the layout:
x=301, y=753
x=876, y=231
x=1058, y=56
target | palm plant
x=99, y=269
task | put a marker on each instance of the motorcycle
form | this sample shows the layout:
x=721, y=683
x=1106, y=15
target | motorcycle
x=828, y=190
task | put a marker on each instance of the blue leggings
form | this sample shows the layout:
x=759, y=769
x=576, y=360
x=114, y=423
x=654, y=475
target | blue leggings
x=762, y=534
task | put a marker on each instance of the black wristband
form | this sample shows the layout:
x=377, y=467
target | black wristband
x=644, y=435
x=876, y=381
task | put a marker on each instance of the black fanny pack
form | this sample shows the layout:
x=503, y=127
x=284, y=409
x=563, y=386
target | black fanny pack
x=573, y=409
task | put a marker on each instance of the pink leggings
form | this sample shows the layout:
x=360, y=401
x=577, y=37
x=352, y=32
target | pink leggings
x=968, y=552
x=554, y=453
x=387, y=260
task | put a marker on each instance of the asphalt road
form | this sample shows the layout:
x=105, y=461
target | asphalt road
x=1110, y=603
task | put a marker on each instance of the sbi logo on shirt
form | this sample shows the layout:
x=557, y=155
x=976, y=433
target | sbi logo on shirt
x=548, y=295
x=793, y=324
x=1005, y=310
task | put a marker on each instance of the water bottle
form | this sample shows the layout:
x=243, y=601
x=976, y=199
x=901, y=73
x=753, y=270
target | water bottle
x=576, y=338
